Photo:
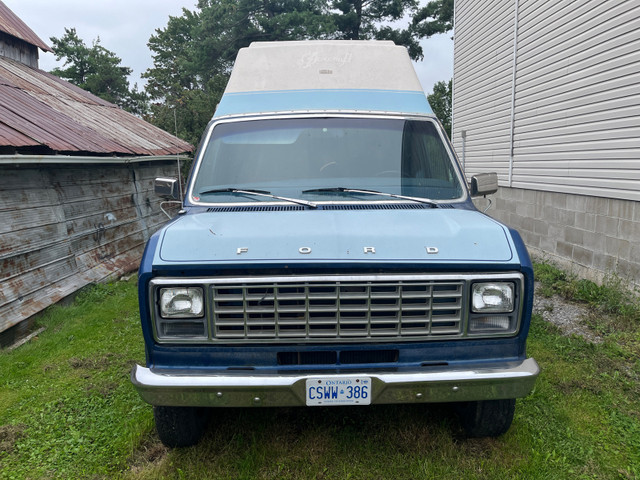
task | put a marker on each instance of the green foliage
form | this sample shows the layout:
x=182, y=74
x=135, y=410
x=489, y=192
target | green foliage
x=440, y=101
x=97, y=70
x=611, y=298
x=552, y=280
x=435, y=17
x=193, y=55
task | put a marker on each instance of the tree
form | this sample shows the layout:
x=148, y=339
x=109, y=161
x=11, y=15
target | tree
x=193, y=55
x=435, y=17
x=97, y=70
x=440, y=101
x=373, y=19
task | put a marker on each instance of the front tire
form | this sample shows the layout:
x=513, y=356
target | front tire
x=180, y=426
x=486, y=418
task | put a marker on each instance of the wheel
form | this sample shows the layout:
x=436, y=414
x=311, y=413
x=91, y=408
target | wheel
x=180, y=426
x=486, y=418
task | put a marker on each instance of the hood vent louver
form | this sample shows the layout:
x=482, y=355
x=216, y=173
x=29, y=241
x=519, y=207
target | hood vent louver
x=359, y=206
x=257, y=208
x=380, y=206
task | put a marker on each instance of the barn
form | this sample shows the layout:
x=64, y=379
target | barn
x=76, y=183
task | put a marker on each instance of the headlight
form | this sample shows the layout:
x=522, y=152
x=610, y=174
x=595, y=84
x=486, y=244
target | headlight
x=493, y=308
x=494, y=297
x=181, y=302
x=181, y=314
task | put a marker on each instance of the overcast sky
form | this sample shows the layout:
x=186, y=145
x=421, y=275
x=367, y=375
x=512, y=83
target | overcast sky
x=124, y=27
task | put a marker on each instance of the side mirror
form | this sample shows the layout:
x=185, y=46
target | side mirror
x=167, y=188
x=484, y=184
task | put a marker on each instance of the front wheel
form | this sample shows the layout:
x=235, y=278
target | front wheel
x=486, y=418
x=180, y=426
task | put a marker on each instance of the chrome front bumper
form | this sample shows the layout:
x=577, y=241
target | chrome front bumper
x=246, y=389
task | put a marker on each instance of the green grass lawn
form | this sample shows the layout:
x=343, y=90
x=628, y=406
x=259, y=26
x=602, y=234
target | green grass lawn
x=68, y=410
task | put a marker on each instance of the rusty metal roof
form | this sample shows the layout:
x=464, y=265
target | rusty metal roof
x=12, y=25
x=40, y=109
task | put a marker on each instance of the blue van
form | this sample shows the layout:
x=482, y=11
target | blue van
x=328, y=253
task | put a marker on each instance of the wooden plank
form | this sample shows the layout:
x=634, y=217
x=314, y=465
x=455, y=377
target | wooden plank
x=21, y=241
x=18, y=264
x=37, y=279
x=24, y=218
x=51, y=240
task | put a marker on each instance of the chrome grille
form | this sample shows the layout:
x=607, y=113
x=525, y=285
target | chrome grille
x=339, y=310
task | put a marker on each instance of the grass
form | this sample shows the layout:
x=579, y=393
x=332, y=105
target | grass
x=68, y=410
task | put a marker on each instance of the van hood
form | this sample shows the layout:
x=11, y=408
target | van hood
x=430, y=235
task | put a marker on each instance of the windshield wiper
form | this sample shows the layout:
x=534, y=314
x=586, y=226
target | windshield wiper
x=370, y=192
x=260, y=193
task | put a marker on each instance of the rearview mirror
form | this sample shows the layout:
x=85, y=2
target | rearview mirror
x=167, y=188
x=484, y=184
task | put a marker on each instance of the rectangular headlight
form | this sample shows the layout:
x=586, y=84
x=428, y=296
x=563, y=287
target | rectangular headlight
x=493, y=297
x=181, y=302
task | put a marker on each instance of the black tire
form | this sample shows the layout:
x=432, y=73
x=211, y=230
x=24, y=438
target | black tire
x=180, y=426
x=486, y=418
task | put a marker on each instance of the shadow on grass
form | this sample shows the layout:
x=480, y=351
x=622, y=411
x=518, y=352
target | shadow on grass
x=394, y=441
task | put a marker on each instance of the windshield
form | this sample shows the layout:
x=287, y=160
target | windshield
x=325, y=159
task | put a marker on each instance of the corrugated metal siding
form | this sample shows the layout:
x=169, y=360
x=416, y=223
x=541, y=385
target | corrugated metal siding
x=482, y=84
x=53, y=113
x=63, y=227
x=577, y=97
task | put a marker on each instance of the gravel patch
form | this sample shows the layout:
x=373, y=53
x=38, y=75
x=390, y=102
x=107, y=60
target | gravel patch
x=568, y=316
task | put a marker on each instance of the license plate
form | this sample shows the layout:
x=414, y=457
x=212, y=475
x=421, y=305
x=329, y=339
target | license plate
x=339, y=391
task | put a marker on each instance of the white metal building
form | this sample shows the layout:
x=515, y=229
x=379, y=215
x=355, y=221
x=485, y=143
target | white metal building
x=547, y=94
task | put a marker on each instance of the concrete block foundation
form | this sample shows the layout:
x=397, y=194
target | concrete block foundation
x=590, y=236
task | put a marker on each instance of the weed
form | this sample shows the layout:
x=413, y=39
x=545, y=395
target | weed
x=615, y=306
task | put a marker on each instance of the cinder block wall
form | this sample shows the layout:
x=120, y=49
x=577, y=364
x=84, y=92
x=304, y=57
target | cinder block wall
x=591, y=236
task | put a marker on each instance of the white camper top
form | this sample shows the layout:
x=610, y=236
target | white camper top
x=322, y=64
x=323, y=76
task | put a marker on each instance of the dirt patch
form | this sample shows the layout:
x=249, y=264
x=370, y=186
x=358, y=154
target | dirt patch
x=151, y=452
x=569, y=317
x=9, y=435
x=102, y=390
x=98, y=363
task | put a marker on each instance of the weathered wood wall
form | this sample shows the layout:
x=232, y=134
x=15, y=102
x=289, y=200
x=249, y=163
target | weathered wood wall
x=18, y=50
x=65, y=226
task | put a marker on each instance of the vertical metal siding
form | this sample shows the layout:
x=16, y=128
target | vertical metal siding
x=482, y=82
x=577, y=96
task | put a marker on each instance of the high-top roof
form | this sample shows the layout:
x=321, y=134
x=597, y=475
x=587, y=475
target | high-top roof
x=332, y=64
x=323, y=75
x=12, y=25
